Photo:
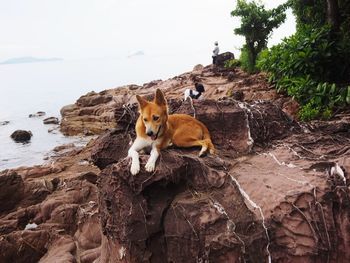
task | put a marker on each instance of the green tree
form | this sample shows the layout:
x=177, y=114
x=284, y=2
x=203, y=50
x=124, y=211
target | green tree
x=257, y=24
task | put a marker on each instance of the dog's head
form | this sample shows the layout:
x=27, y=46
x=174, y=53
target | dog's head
x=154, y=114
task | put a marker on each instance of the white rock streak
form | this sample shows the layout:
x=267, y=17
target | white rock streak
x=289, y=165
x=336, y=170
x=231, y=227
x=254, y=205
x=250, y=140
x=30, y=226
x=122, y=252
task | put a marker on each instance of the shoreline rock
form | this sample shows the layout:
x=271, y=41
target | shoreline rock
x=277, y=190
x=21, y=136
x=38, y=114
x=94, y=113
x=51, y=120
x=3, y=123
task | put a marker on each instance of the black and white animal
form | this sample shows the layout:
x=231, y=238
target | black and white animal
x=194, y=94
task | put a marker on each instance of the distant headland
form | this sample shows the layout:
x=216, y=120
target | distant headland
x=21, y=60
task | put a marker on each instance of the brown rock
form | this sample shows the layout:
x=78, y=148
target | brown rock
x=92, y=99
x=11, y=190
x=51, y=120
x=198, y=67
x=38, y=114
x=223, y=57
x=3, y=123
x=24, y=246
x=109, y=148
x=186, y=205
x=21, y=136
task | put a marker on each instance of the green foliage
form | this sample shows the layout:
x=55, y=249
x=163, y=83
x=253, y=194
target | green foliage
x=309, y=12
x=309, y=112
x=244, y=58
x=312, y=68
x=232, y=63
x=257, y=24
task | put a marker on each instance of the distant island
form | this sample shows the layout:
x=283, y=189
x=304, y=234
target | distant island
x=29, y=60
x=136, y=54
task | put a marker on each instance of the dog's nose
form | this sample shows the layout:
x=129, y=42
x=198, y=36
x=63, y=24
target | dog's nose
x=150, y=133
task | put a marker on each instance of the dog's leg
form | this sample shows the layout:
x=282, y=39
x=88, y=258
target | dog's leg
x=151, y=163
x=138, y=144
x=203, y=150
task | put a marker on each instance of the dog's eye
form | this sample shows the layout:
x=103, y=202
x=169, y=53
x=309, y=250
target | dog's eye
x=144, y=119
x=155, y=118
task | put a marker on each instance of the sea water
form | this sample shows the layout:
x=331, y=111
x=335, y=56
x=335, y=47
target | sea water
x=48, y=86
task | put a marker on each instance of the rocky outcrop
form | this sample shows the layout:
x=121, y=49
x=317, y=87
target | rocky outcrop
x=21, y=136
x=3, y=123
x=51, y=120
x=222, y=58
x=270, y=194
x=277, y=190
x=94, y=113
x=11, y=184
x=189, y=210
x=49, y=213
x=91, y=114
x=38, y=114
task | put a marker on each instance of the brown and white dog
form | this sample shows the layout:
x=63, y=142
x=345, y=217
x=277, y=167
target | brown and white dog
x=156, y=129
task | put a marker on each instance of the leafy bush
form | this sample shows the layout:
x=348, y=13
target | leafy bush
x=312, y=68
x=245, y=61
x=232, y=63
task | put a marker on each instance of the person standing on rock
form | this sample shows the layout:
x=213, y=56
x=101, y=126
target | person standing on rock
x=215, y=52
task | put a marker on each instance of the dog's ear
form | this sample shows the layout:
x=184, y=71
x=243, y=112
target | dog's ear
x=159, y=98
x=142, y=102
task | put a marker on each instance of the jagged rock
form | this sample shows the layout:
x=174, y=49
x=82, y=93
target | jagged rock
x=171, y=214
x=21, y=136
x=231, y=76
x=182, y=185
x=92, y=99
x=82, y=118
x=198, y=67
x=238, y=95
x=64, y=147
x=291, y=108
x=109, y=148
x=24, y=246
x=278, y=191
x=188, y=210
x=223, y=57
x=234, y=127
x=38, y=114
x=3, y=123
x=51, y=120
x=92, y=114
x=11, y=190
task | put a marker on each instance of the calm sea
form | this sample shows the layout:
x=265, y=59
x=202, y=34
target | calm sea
x=48, y=86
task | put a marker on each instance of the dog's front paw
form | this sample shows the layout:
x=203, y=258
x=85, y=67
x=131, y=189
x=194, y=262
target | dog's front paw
x=135, y=169
x=150, y=166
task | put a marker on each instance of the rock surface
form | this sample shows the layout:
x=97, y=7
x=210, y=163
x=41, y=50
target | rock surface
x=276, y=190
x=51, y=120
x=271, y=182
x=21, y=136
x=3, y=123
x=223, y=57
x=49, y=213
x=38, y=114
x=94, y=113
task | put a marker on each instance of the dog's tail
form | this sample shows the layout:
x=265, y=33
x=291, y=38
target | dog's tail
x=207, y=141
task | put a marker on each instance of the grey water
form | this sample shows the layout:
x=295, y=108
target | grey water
x=48, y=86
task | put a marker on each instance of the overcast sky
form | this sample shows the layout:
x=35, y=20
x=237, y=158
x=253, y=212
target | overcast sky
x=74, y=29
